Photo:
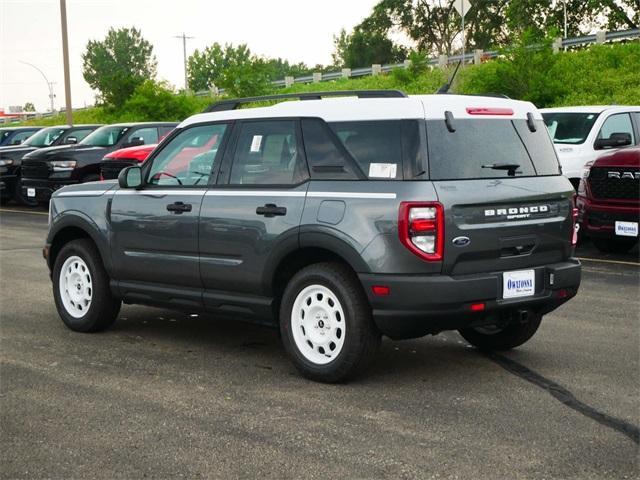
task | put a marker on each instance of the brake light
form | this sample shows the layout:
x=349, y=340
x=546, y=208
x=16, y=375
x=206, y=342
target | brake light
x=574, y=222
x=489, y=111
x=421, y=229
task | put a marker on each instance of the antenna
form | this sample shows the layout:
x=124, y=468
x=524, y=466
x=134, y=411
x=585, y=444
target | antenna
x=445, y=88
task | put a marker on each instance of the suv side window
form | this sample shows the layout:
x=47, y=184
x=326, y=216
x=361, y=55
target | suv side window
x=328, y=159
x=375, y=145
x=149, y=135
x=617, y=123
x=267, y=153
x=190, y=158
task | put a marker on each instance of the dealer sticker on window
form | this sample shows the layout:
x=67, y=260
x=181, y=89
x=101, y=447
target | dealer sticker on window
x=627, y=229
x=521, y=283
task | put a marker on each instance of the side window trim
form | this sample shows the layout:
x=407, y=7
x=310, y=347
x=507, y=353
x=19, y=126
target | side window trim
x=629, y=114
x=146, y=166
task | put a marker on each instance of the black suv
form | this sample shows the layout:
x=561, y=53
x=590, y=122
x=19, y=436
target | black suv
x=337, y=220
x=48, y=169
x=11, y=157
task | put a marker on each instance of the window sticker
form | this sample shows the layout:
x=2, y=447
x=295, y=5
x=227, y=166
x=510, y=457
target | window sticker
x=382, y=170
x=256, y=143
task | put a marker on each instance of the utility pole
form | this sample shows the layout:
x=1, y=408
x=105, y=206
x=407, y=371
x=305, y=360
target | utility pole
x=65, y=60
x=184, y=38
x=564, y=2
x=49, y=84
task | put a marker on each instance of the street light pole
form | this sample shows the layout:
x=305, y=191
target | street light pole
x=65, y=60
x=184, y=53
x=564, y=3
x=49, y=84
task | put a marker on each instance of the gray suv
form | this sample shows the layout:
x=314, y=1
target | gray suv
x=338, y=220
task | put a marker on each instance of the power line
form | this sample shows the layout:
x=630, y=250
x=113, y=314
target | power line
x=184, y=38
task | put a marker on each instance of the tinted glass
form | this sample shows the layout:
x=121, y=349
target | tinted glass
x=327, y=158
x=569, y=128
x=105, y=136
x=45, y=137
x=148, y=135
x=267, y=153
x=80, y=134
x=189, y=158
x=20, y=137
x=473, y=148
x=539, y=146
x=618, y=123
x=375, y=145
x=4, y=134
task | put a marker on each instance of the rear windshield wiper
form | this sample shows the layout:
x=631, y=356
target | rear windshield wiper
x=509, y=167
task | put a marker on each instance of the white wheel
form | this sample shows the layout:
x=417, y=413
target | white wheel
x=76, y=288
x=318, y=324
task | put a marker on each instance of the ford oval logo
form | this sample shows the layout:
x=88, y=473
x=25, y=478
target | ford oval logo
x=461, y=241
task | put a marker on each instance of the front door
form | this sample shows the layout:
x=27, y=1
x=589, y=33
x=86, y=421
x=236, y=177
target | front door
x=253, y=216
x=155, y=229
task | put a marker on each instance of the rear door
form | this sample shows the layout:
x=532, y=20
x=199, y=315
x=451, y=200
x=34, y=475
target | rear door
x=252, y=215
x=506, y=205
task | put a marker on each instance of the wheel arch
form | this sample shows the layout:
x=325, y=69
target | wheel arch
x=75, y=226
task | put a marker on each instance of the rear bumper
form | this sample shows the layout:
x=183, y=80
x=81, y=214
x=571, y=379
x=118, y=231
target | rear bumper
x=419, y=305
x=597, y=219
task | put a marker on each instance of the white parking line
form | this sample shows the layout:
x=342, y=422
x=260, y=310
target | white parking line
x=22, y=211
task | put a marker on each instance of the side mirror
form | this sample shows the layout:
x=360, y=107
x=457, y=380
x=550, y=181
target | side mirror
x=619, y=139
x=130, y=177
x=71, y=140
x=134, y=142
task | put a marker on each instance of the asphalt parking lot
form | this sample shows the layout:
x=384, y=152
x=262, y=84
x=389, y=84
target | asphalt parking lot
x=171, y=395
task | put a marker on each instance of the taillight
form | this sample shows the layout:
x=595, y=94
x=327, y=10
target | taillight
x=574, y=227
x=421, y=229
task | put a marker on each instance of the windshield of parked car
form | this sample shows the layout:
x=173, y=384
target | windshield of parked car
x=44, y=137
x=104, y=136
x=569, y=127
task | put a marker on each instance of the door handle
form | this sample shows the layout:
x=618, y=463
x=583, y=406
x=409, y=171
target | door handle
x=179, y=207
x=271, y=210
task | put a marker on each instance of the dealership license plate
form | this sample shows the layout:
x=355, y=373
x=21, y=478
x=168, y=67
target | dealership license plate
x=627, y=229
x=521, y=283
x=31, y=192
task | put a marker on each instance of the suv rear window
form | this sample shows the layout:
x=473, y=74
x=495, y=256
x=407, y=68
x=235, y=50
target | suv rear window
x=477, y=144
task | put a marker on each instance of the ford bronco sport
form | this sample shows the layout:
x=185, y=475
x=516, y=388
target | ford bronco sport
x=336, y=219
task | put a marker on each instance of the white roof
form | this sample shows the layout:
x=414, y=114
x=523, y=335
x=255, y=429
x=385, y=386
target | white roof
x=591, y=109
x=343, y=109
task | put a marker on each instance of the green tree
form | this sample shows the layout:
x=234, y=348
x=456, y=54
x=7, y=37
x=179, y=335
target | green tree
x=364, y=47
x=118, y=64
x=29, y=107
x=206, y=68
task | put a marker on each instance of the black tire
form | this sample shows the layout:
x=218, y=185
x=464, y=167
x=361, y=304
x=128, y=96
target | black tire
x=104, y=308
x=19, y=196
x=362, y=338
x=512, y=336
x=614, y=245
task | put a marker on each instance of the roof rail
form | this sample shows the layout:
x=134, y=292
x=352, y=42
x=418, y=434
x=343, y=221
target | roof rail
x=234, y=103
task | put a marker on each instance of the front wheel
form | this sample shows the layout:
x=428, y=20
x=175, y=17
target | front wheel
x=496, y=338
x=326, y=324
x=81, y=288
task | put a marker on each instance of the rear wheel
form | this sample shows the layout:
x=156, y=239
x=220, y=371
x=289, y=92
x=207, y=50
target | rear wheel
x=614, y=245
x=326, y=323
x=502, y=338
x=81, y=288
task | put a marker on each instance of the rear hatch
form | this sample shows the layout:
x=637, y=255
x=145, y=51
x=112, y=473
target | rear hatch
x=507, y=207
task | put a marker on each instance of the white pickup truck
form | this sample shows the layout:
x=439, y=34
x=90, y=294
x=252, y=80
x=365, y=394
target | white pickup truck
x=581, y=134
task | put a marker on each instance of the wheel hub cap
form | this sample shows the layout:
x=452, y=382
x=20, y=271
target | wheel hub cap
x=76, y=287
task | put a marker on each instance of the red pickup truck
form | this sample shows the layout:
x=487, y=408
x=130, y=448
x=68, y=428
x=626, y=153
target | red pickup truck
x=609, y=200
x=115, y=161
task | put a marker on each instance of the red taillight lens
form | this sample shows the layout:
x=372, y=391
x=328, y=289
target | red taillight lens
x=489, y=111
x=421, y=229
x=574, y=226
x=477, y=307
x=381, y=290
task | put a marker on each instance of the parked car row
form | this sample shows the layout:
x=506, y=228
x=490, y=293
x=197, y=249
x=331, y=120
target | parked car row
x=54, y=157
